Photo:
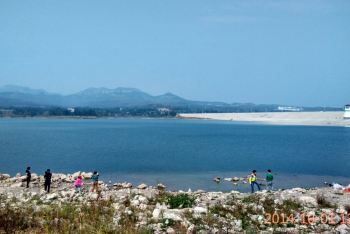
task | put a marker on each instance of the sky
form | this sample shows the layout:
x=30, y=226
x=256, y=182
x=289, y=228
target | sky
x=272, y=52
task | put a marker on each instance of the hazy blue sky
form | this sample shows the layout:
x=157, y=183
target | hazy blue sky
x=291, y=52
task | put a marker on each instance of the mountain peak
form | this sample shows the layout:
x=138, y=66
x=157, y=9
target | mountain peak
x=21, y=89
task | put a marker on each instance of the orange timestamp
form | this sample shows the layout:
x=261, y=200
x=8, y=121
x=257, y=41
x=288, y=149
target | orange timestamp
x=306, y=219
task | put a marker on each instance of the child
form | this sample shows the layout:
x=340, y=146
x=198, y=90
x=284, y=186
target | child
x=269, y=179
x=78, y=183
x=94, y=180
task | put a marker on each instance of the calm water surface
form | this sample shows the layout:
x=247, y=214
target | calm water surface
x=181, y=153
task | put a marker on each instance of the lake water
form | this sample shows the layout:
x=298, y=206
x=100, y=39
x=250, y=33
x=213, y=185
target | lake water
x=179, y=153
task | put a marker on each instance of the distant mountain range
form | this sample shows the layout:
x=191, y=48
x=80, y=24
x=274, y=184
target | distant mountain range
x=11, y=95
x=17, y=96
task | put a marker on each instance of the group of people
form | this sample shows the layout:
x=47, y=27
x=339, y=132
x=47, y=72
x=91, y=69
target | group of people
x=78, y=182
x=252, y=179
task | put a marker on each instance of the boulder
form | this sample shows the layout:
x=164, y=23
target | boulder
x=308, y=201
x=93, y=196
x=135, y=202
x=173, y=214
x=22, y=178
x=17, y=185
x=123, y=185
x=299, y=190
x=142, y=199
x=217, y=179
x=142, y=186
x=200, y=210
x=76, y=174
x=235, y=179
x=51, y=196
x=170, y=230
x=343, y=229
x=161, y=186
x=156, y=213
x=87, y=175
x=4, y=176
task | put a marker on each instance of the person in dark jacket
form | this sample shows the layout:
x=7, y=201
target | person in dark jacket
x=47, y=177
x=94, y=180
x=29, y=176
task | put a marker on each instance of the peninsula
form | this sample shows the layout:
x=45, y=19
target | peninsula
x=331, y=118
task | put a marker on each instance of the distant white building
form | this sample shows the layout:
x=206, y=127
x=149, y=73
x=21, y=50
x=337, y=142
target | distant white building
x=163, y=109
x=289, y=108
x=71, y=110
x=347, y=111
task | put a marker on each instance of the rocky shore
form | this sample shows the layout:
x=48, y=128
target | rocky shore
x=124, y=208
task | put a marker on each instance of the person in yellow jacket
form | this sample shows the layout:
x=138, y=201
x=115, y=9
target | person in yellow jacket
x=252, y=181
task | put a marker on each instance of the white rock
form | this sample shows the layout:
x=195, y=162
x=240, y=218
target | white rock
x=93, y=196
x=22, y=178
x=299, y=190
x=51, y=196
x=76, y=174
x=170, y=230
x=235, y=192
x=238, y=224
x=142, y=199
x=128, y=211
x=343, y=228
x=16, y=185
x=161, y=186
x=123, y=185
x=135, y=202
x=200, y=210
x=18, y=175
x=143, y=206
x=173, y=214
x=142, y=186
x=87, y=175
x=156, y=213
x=4, y=176
x=235, y=179
x=308, y=201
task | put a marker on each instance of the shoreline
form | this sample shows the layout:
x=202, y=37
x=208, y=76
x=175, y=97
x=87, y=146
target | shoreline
x=277, y=118
x=134, y=209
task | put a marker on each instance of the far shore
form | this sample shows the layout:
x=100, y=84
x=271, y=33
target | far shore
x=278, y=118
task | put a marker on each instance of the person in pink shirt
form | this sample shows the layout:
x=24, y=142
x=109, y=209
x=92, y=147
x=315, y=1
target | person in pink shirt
x=78, y=183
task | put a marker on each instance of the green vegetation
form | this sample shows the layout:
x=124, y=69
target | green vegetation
x=251, y=199
x=66, y=218
x=181, y=200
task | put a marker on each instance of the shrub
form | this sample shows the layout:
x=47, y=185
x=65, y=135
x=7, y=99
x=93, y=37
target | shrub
x=251, y=199
x=323, y=202
x=181, y=200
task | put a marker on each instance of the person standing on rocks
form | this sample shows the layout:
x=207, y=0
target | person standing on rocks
x=47, y=178
x=94, y=180
x=78, y=183
x=29, y=176
x=269, y=179
x=252, y=181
